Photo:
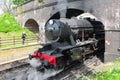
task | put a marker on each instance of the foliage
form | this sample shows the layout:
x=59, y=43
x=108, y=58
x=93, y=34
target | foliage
x=111, y=72
x=18, y=2
x=10, y=27
x=40, y=1
x=8, y=23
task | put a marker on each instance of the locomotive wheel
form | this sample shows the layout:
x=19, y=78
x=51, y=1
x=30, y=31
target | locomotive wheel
x=58, y=67
x=60, y=64
x=41, y=69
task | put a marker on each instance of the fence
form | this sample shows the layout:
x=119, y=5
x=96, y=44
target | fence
x=16, y=40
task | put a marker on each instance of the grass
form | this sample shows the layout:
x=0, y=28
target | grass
x=111, y=72
x=17, y=46
x=17, y=33
x=13, y=46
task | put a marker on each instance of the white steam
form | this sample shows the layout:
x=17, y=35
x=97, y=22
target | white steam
x=36, y=75
x=35, y=63
x=62, y=4
x=21, y=76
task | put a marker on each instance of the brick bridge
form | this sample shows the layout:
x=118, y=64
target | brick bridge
x=33, y=16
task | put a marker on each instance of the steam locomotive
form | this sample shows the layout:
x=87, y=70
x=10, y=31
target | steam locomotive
x=69, y=40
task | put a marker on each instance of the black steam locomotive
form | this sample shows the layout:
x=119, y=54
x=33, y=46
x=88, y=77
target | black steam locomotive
x=69, y=40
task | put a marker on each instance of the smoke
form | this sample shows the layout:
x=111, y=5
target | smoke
x=36, y=75
x=33, y=74
x=35, y=63
x=62, y=4
x=21, y=76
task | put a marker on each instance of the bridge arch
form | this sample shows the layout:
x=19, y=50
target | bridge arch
x=70, y=12
x=32, y=25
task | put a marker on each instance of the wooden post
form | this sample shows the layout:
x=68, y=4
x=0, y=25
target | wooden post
x=0, y=41
x=37, y=39
x=14, y=40
x=26, y=40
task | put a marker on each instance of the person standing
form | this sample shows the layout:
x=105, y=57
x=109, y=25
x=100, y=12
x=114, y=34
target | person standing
x=23, y=37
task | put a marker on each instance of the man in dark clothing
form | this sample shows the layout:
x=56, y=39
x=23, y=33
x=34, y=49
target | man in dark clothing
x=23, y=38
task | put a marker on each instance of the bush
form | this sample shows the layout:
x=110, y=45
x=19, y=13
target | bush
x=10, y=27
x=8, y=23
x=40, y=1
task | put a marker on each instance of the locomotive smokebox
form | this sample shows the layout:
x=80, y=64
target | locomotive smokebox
x=62, y=29
x=56, y=30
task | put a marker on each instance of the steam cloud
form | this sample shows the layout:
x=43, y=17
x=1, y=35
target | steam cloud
x=36, y=75
x=64, y=5
x=35, y=63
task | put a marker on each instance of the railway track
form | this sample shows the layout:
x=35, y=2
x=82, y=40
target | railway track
x=77, y=70
x=6, y=66
x=10, y=68
x=21, y=69
x=62, y=72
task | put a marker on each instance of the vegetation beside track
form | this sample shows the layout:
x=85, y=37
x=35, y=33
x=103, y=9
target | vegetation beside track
x=112, y=72
x=106, y=72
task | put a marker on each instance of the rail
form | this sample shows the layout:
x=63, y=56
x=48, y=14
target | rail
x=13, y=63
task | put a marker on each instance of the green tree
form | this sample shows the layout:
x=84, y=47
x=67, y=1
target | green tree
x=18, y=2
x=8, y=23
x=10, y=27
